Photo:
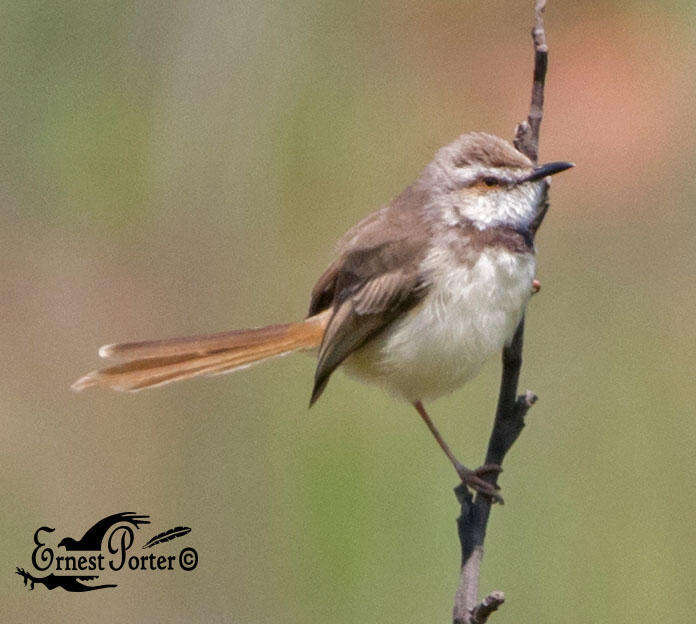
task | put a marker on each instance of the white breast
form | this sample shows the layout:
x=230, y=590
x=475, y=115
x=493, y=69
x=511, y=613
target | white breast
x=469, y=313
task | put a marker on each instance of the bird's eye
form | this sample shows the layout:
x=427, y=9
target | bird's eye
x=490, y=181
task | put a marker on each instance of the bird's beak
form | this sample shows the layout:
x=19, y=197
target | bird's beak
x=546, y=170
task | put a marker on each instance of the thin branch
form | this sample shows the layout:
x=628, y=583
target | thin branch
x=527, y=133
x=511, y=410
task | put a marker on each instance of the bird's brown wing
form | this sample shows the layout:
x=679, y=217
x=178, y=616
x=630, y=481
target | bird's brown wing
x=367, y=289
x=376, y=277
x=394, y=236
x=323, y=291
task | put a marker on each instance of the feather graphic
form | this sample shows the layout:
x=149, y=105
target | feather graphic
x=165, y=536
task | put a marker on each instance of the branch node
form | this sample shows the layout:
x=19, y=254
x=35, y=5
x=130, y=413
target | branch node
x=523, y=135
x=481, y=612
x=529, y=398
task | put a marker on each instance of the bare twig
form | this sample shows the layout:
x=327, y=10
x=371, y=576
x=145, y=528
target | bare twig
x=511, y=410
x=527, y=133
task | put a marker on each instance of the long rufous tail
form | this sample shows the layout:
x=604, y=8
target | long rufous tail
x=150, y=364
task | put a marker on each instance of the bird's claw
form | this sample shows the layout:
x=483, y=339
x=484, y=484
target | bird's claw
x=26, y=576
x=476, y=480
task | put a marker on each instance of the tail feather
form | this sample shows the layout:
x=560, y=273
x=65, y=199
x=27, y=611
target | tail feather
x=163, y=361
x=198, y=344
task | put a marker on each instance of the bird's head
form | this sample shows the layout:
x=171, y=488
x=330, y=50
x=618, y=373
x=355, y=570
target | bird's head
x=483, y=179
x=66, y=542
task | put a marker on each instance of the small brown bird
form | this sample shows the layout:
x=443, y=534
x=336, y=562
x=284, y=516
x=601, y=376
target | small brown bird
x=421, y=293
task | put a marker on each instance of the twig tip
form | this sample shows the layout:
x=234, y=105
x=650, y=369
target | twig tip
x=481, y=612
x=530, y=398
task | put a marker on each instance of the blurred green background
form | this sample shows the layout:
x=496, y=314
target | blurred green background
x=174, y=168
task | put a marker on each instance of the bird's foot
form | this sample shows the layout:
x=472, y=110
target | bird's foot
x=476, y=480
x=26, y=576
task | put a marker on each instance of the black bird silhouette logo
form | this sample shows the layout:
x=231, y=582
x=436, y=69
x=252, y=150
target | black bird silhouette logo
x=43, y=555
x=92, y=539
x=68, y=583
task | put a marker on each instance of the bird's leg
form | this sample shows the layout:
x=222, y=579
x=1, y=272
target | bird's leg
x=473, y=478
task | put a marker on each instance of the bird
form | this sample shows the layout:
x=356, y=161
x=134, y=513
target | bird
x=92, y=539
x=420, y=293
